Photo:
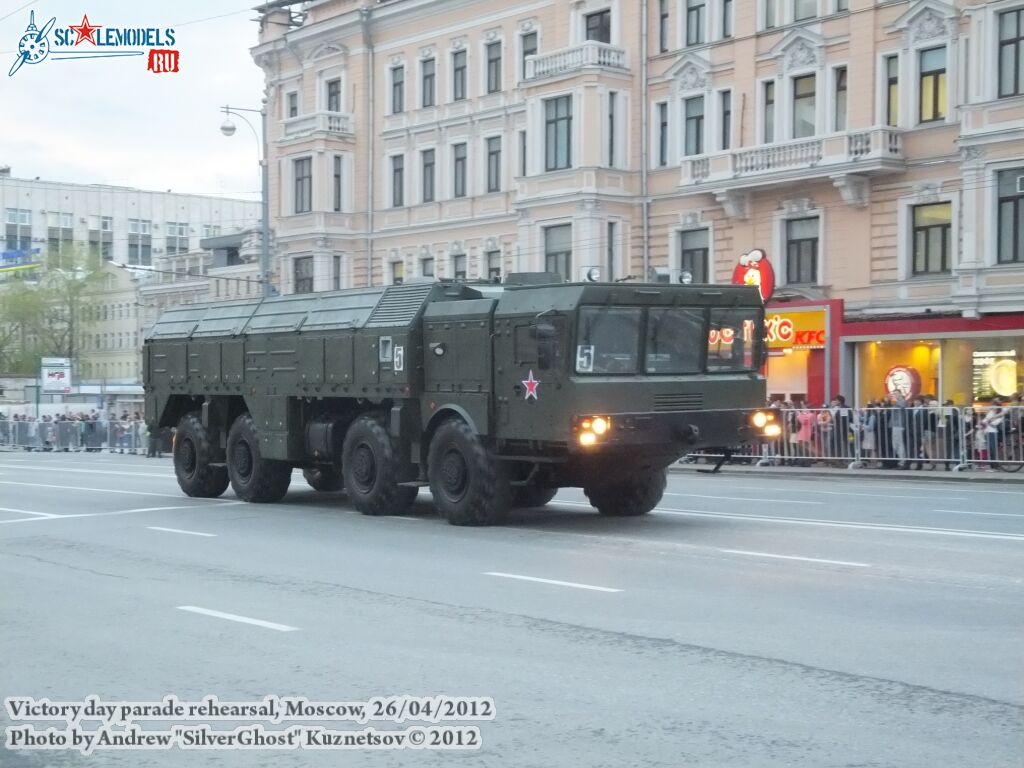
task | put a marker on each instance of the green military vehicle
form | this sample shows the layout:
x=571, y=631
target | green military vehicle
x=494, y=395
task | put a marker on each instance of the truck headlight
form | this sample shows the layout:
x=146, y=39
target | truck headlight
x=587, y=438
x=600, y=425
x=760, y=419
x=772, y=430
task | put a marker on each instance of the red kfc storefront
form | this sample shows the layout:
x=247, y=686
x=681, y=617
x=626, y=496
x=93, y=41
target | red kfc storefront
x=966, y=360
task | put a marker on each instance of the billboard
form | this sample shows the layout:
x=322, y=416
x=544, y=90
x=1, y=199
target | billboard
x=55, y=374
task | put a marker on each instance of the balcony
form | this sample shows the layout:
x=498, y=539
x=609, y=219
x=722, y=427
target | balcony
x=329, y=124
x=588, y=55
x=874, y=150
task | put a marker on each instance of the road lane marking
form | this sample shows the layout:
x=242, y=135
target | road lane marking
x=744, y=498
x=872, y=495
x=169, y=474
x=572, y=584
x=179, y=530
x=239, y=619
x=794, y=557
x=26, y=512
x=406, y=517
x=939, y=486
x=119, y=512
x=983, y=514
x=99, y=490
x=829, y=523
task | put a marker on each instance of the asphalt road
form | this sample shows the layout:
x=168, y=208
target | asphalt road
x=750, y=621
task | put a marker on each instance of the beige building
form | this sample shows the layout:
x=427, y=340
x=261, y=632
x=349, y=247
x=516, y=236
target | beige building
x=874, y=151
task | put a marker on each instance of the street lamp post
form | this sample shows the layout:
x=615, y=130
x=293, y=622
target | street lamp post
x=228, y=129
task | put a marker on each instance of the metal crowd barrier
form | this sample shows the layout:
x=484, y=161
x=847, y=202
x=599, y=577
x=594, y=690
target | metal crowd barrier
x=925, y=437
x=116, y=436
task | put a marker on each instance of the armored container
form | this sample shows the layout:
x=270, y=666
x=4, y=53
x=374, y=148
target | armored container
x=493, y=395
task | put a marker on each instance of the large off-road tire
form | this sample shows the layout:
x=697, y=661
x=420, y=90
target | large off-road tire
x=529, y=496
x=324, y=478
x=192, y=455
x=253, y=477
x=629, y=498
x=470, y=486
x=369, y=462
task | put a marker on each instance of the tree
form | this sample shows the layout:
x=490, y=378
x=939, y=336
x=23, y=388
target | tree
x=44, y=313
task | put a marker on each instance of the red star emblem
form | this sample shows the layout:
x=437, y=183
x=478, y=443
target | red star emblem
x=85, y=30
x=531, y=386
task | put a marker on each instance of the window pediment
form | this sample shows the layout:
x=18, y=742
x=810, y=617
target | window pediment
x=925, y=20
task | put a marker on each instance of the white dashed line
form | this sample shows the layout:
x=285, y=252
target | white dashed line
x=239, y=619
x=557, y=583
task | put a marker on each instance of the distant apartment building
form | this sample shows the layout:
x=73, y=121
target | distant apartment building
x=150, y=244
x=123, y=225
x=874, y=151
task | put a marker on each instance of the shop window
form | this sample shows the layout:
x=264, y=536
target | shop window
x=1011, y=216
x=693, y=254
x=932, y=226
x=802, y=250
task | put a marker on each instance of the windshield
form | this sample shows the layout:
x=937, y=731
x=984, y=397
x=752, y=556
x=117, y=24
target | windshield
x=609, y=340
x=673, y=340
x=732, y=339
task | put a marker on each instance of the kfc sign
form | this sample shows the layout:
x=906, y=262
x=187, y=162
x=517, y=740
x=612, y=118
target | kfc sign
x=755, y=269
x=796, y=330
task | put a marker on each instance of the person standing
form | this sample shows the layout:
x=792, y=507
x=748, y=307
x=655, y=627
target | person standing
x=898, y=428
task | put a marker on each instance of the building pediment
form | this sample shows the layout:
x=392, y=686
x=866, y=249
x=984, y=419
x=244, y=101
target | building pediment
x=799, y=49
x=690, y=73
x=325, y=51
x=925, y=20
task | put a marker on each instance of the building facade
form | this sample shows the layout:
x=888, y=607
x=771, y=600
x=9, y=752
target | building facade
x=871, y=150
x=123, y=225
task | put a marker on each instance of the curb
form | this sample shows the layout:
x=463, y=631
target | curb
x=912, y=475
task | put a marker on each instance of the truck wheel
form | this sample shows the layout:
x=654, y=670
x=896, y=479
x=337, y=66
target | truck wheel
x=369, y=466
x=254, y=478
x=630, y=498
x=192, y=461
x=326, y=479
x=469, y=486
x=529, y=496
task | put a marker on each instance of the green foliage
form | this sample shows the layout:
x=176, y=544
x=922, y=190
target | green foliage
x=42, y=311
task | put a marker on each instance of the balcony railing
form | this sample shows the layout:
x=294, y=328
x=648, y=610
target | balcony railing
x=333, y=123
x=567, y=60
x=876, y=149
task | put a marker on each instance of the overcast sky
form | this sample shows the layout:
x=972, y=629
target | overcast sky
x=109, y=121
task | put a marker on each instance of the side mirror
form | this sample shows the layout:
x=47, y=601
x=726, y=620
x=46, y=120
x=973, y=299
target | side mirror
x=543, y=331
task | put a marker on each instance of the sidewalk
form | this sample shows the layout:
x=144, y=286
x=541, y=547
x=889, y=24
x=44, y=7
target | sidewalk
x=833, y=473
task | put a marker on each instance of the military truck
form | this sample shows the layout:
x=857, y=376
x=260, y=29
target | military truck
x=493, y=395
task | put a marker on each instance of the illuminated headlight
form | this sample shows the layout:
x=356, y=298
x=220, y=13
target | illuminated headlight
x=772, y=430
x=587, y=438
x=760, y=419
x=600, y=425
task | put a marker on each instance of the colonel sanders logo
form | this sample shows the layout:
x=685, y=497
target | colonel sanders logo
x=755, y=269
